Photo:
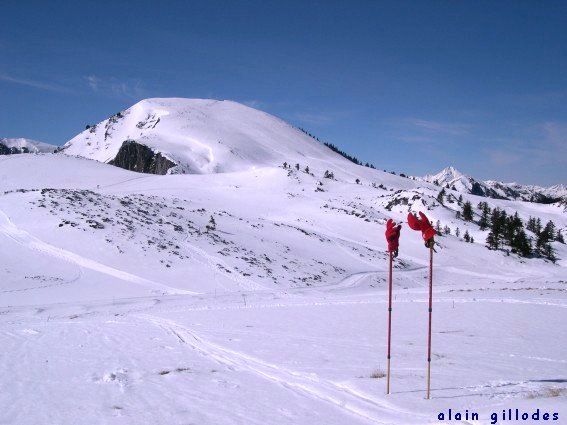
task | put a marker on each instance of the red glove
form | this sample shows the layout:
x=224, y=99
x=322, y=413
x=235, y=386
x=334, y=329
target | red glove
x=393, y=236
x=427, y=231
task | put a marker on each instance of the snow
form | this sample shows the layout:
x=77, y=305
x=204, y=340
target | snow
x=120, y=307
x=202, y=136
x=32, y=145
x=463, y=183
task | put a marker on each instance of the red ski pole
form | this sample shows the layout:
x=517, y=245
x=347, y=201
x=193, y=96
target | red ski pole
x=430, y=314
x=427, y=232
x=389, y=323
x=392, y=237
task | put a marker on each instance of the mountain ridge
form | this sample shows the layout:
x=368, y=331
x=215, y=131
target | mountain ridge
x=452, y=178
x=16, y=145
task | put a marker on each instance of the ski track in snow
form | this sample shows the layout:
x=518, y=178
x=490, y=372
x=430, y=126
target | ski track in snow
x=338, y=395
x=10, y=230
x=50, y=285
x=324, y=303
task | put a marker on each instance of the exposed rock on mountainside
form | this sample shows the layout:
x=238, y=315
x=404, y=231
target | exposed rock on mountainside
x=21, y=145
x=140, y=158
x=4, y=150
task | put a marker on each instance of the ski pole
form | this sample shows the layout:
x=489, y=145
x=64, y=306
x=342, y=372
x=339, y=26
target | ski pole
x=427, y=232
x=389, y=324
x=392, y=237
x=430, y=314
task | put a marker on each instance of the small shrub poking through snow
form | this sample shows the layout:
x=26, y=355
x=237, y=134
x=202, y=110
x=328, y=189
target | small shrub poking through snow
x=377, y=374
x=547, y=393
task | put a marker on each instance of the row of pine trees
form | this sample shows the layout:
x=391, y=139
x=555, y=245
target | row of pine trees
x=506, y=231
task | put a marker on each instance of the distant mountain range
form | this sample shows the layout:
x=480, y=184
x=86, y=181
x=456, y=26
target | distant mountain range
x=20, y=145
x=453, y=179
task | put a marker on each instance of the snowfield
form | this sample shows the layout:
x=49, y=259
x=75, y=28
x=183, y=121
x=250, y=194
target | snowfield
x=124, y=303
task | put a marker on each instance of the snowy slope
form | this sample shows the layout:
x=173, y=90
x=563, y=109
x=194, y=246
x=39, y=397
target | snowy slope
x=452, y=177
x=32, y=146
x=202, y=136
x=123, y=304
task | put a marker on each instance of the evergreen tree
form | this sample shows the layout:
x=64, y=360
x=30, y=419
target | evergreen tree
x=447, y=230
x=491, y=241
x=357, y=181
x=531, y=226
x=467, y=212
x=438, y=227
x=285, y=164
x=472, y=239
x=497, y=221
x=212, y=225
x=538, y=226
x=342, y=153
x=549, y=253
x=521, y=244
x=483, y=222
x=466, y=236
x=441, y=196
x=458, y=215
x=307, y=169
x=297, y=167
x=457, y=232
x=544, y=239
x=550, y=229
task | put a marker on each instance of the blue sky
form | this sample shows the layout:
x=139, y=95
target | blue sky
x=411, y=86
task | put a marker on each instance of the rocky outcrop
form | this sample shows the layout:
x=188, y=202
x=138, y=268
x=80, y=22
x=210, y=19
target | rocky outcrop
x=5, y=150
x=134, y=156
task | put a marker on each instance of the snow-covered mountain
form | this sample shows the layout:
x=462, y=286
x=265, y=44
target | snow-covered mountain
x=196, y=136
x=137, y=298
x=10, y=146
x=454, y=179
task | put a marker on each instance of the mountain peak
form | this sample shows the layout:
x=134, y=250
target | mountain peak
x=451, y=171
x=200, y=136
x=447, y=175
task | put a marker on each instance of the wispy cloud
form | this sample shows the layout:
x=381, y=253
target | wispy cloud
x=41, y=85
x=542, y=145
x=111, y=87
x=93, y=82
x=556, y=135
x=503, y=157
x=114, y=87
x=420, y=131
x=437, y=127
x=314, y=118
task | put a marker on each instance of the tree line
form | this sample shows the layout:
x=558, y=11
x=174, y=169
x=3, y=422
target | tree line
x=508, y=231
